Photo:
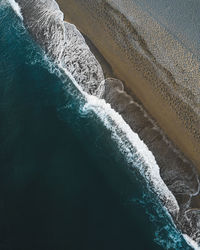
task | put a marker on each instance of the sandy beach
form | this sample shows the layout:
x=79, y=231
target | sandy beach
x=161, y=91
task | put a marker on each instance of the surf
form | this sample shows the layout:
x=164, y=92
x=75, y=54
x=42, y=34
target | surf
x=16, y=8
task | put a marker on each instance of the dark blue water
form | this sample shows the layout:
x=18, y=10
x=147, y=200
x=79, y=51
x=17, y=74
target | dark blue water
x=63, y=183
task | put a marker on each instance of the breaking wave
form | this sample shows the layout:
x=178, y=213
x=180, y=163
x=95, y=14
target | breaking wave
x=16, y=8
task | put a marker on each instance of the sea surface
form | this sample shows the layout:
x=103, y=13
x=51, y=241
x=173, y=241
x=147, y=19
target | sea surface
x=72, y=174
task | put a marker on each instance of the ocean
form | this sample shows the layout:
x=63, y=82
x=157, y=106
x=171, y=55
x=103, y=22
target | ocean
x=72, y=173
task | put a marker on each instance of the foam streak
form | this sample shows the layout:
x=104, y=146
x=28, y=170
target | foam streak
x=16, y=8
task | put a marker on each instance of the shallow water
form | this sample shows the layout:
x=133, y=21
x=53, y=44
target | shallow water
x=64, y=182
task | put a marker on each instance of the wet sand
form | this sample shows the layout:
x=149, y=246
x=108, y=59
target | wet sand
x=168, y=101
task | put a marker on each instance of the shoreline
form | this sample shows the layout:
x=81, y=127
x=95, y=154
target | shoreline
x=148, y=123
x=177, y=119
x=178, y=162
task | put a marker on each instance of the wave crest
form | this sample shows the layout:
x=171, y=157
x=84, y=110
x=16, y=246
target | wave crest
x=16, y=8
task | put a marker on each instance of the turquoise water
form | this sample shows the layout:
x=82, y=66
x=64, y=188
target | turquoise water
x=64, y=184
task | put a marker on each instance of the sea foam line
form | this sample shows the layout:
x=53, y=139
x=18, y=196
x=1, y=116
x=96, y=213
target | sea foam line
x=127, y=141
x=191, y=242
x=16, y=8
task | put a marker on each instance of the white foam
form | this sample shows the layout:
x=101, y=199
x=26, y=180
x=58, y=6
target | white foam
x=130, y=145
x=134, y=149
x=16, y=8
x=191, y=242
x=128, y=142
